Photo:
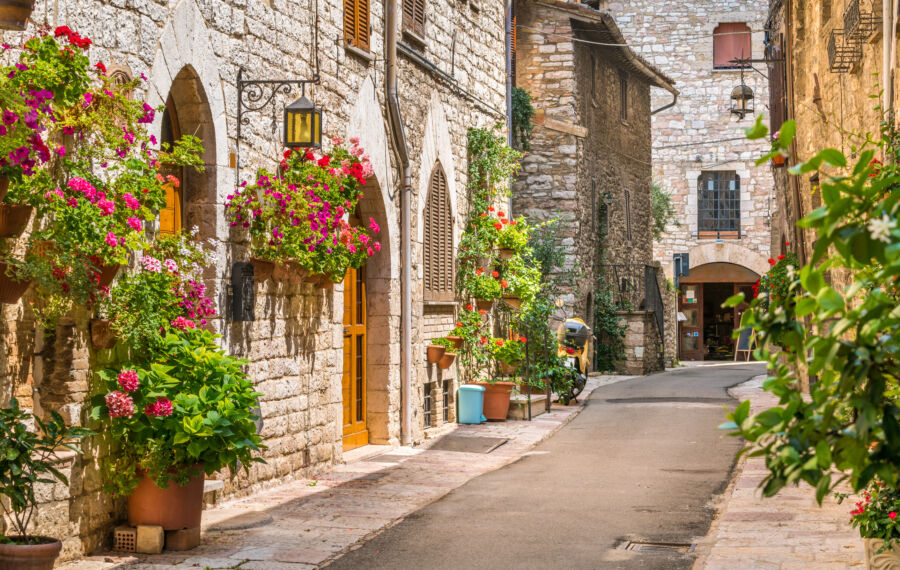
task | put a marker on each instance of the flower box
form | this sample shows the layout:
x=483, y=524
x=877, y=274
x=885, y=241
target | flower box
x=11, y=289
x=513, y=301
x=262, y=270
x=14, y=14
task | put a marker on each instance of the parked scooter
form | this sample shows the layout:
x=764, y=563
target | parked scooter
x=575, y=346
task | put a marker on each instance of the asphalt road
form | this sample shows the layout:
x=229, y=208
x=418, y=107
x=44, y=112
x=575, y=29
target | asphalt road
x=641, y=462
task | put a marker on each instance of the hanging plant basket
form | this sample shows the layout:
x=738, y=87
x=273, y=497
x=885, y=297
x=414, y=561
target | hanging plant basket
x=779, y=160
x=484, y=304
x=108, y=273
x=446, y=361
x=102, y=335
x=506, y=253
x=14, y=14
x=513, y=301
x=11, y=290
x=13, y=219
x=456, y=340
x=434, y=353
x=325, y=283
x=4, y=186
x=508, y=369
x=262, y=269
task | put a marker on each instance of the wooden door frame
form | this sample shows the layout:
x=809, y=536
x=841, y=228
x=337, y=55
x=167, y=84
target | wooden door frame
x=697, y=354
x=355, y=433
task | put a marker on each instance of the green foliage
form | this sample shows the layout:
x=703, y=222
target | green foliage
x=609, y=330
x=26, y=458
x=445, y=342
x=510, y=351
x=193, y=404
x=850, y=420
x=522, y=115
x=662, y=211
x=876, y=513
x=523, y=280
x=514, y=235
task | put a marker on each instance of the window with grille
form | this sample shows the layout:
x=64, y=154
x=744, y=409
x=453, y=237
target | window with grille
x=731, y=41
x=719, y=205
x=414, y=17
x=628, y=215
x=438, y=245
x=446, y=400
x=623, y=95
x=426, y=403
x=356, y=23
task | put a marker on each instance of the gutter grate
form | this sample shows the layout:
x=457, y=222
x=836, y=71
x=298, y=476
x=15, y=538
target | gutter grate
x=657, y=546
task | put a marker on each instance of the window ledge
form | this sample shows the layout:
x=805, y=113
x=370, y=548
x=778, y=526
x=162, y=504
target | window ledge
x=367, y=56
x=441, y=303
x=417, y=40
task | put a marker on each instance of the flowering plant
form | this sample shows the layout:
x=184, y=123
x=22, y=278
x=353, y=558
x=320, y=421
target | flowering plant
x=483, y=285
x=514, y=234
x=167, y=286
x=775, y=283
x=875, y=514
x=301, y=214
x=509, y=351
x=189, y=403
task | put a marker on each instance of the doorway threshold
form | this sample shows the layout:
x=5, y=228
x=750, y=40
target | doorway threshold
x=364, y=452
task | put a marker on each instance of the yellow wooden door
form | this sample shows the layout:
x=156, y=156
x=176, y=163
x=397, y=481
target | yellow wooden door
x=353, y=385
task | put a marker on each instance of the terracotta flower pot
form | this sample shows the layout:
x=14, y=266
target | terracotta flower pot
x=13, y=219
x=456, y=340
x=173, y=508
x=14, y=14
x=11, y=290
x=102, y=335
x=297, y=274
x=262, y=269
x=778, y=160
x=446, y=361
x=484, y=304
x=508, y=369
x=505, y=253
x=313, y=278
x=513, y=301
x=29, y=556
x=435, y=353
x=4, y=186
x=108, y=273
x=496, y=399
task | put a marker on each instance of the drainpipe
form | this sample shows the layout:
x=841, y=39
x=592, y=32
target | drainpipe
x=887, y=35
x=669, y=105
x=399, y=138
x=509, y=86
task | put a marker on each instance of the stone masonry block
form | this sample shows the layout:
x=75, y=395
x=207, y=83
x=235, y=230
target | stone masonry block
x=150, y=539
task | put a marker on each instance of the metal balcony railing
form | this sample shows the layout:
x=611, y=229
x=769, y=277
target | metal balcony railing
x=843, y=51
x=860, y=19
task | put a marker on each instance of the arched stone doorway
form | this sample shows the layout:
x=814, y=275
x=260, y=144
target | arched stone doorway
x=704, y=327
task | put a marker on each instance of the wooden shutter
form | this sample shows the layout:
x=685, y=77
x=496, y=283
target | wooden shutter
x=356, y=23
x=438, y=246
x=512, y=48
x=777, y=91
x=414, y=17
x=731, y=41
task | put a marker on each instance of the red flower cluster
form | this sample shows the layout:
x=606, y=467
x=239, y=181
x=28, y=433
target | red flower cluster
x=162, y=407
x=74, y=38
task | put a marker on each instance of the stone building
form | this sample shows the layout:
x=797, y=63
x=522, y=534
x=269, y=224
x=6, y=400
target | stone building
x=451, y=76
x=702, y=159
x=590, y=158
x=835, y=58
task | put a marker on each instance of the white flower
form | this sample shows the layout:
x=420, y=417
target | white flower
x=880, y=228
x=171, y=265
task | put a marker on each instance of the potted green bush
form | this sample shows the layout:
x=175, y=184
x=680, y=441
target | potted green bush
x=509, y=354
x=449, y=355
x=875, y=516
x=184, y=411
x=26, y=459
x=513, y=238
x=484, y=286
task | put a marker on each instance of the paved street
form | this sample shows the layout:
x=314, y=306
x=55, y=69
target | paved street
x=641, y=462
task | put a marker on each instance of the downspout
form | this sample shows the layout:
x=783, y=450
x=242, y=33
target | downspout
x=399, y=138
x=667, y=106
x=509, y=86
x=887, y=34
x=893, y=55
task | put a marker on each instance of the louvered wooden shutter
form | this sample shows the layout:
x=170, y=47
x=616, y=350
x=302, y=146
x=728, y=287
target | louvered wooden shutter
x=438, y=246
x=512, y=48
x=356, y=23
x=414, y=17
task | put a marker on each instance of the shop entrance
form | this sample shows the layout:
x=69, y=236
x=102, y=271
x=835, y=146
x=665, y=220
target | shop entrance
x=705, y=328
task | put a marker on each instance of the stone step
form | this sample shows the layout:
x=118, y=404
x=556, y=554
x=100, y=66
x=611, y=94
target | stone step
x=518, y=406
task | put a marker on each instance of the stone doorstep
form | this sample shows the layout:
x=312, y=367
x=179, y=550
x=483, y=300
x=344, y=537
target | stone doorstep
x=518, y=406
x=364, y=452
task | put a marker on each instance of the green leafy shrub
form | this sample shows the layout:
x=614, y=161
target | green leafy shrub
x=522, y=116
x=609, y=330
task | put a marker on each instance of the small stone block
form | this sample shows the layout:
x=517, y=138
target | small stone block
x=184, y=539
x=150, y=539
x=124, y=538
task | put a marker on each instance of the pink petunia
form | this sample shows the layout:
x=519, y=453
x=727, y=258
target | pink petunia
x=112, y=240
x=135, y=224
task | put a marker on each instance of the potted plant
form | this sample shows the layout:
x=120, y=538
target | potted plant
x=13, y=282
x=875, y=516
x=509, y=353
x=183, y=411
x=484, y=286
x=512, y=239
x=497, y=395
x=447, y=358
x=14, y=15
x=26, y=458
x=434, y=352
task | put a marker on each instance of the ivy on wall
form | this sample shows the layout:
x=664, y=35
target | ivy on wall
x=522, y=115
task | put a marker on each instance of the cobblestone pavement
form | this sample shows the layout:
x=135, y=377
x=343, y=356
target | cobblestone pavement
x=788, y=531
x=305, y=523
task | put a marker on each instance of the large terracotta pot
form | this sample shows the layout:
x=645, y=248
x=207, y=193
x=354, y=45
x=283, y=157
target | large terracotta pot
x=14, y=14
x=102, y=336
x=446, y=361
x=496, y=399
x=887, y=560
x=4, y=186
x=29, y=556
x=173, y=508
x=13, y=219
x=11, y=290
x=434, y=353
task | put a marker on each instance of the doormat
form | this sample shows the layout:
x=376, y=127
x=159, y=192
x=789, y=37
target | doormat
x=468, y=444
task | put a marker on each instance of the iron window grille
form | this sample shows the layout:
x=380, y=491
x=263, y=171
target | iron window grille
x=719, y=205
x=426, y=403
x=860, y=23
x=446, y=400
x=628, y=234
x=843, y=51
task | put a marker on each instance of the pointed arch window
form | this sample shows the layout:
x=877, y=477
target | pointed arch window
x=438, y=245
x=170, y=216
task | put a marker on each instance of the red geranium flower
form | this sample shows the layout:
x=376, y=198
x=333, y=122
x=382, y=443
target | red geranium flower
x=771, y=261
x=503, y=283
x=468, y=308
x=498, y=226
x=495, y=274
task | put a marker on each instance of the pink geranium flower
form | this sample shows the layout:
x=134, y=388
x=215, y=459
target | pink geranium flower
x=128, y=380
x=120, y=404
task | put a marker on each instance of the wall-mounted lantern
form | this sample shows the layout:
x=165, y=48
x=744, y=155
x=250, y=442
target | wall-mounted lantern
x=302, y=124
x=742, y=100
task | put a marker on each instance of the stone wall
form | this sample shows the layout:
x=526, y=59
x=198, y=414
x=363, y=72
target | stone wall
x=642, y=346
x=192, y=50
x=700, y=133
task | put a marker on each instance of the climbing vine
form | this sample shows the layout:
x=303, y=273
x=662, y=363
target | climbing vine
x=608, y=329
x=522, y=115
